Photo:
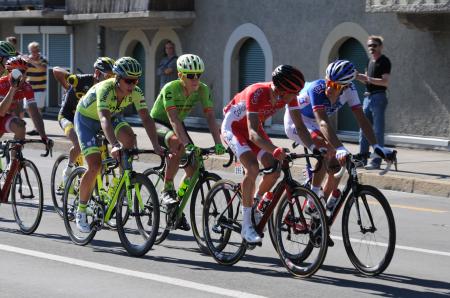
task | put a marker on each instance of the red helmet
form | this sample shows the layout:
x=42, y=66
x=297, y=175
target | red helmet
x=16, y=63
x=288, y=78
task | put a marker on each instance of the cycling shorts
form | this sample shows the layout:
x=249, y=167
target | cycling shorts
x=236, y=137
x=87, y=129
x=165, y=132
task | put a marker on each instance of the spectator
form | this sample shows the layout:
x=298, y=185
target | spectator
x=37, y=77
x=376, y=79
x=13, y=40
x=167, y=69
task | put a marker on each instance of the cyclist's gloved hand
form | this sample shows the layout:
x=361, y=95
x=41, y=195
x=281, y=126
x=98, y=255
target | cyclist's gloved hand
x=384, y=153
x=341, y=154
x=219, y=149
x=191, y=148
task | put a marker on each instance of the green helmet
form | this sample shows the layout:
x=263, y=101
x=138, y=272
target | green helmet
x=7, y=49
x=127, y=67
x=190, y=63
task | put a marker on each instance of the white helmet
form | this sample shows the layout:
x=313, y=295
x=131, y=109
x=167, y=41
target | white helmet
x=190, y=63
x=341, y=71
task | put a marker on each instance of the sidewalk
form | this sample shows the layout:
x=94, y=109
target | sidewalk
x=419, y=171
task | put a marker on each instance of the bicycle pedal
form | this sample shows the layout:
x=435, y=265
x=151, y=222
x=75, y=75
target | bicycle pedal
x=251, y=246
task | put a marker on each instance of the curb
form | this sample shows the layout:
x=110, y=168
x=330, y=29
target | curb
x=388, y=181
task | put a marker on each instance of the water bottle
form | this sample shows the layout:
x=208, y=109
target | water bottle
x=265, y=201
x=183, y=187
x=332, y=200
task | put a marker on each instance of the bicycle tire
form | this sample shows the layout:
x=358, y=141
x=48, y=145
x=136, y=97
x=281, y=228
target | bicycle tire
x=157, y=179
x=196, y=212
x=224, y=232
x=130, y=234
x=27, y=210
x=379, y=207
x=70, y=205
x=57, y=187
x=304, y=231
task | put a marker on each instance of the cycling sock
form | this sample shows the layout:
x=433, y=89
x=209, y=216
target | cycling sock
x=82, y=207
x=168, y=185
x=247, y=217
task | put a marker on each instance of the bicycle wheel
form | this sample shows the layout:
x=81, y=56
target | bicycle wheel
x=70, y=205
x=301, y=237
x=27, y=197
x=368, y=230
x=157, y=179
x=222, y=223
x=57, y=183
x=138, y=233
x=198, y=198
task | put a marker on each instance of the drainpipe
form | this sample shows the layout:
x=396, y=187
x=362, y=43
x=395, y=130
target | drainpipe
x=101, y=41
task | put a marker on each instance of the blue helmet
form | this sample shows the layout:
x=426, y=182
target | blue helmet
x=341, y=71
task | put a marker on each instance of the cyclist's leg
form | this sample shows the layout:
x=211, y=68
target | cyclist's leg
x=124, y=134
x=74, y=151
x=17, y=127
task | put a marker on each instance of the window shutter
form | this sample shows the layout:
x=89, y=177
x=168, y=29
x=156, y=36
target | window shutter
x=59, y=50
x=251, y=64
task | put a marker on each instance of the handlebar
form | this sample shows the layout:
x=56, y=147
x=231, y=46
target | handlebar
x=352, y=159
x=48, y=145
x=148, y=151
x=203, y=152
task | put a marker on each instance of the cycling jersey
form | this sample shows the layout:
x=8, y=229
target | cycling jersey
x=102, y=96
x=24, y=93
x=73, y=95
x=172, y=97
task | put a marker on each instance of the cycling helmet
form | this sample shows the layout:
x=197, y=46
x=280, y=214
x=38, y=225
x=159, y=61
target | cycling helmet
x=7, y=49
x=288, y=78
x=104, y=64
x=127, y=67
x=190, y=63
x=341, y=72
x=16, y=63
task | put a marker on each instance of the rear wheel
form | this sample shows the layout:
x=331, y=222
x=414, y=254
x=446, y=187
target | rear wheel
x=27, y=197
x=368, y=230
x=140, y=205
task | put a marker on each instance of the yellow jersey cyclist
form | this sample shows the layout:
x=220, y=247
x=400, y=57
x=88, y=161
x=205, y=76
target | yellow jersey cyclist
x=100, y=109
x=174, y=103
x=77, y=85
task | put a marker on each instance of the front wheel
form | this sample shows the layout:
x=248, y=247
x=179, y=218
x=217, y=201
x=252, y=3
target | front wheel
x=368, y=230
x=27, y=197
x=301, y=236
x=198, y=199
x=222, y=223
x=139, y=231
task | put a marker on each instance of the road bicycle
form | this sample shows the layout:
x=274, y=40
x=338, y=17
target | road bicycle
x=131, y=199
x=300, y=237
x=56, y=179
x=199, y=185
x=21, y=178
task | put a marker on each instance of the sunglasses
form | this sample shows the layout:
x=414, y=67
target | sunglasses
x=372, y=45
x=192, y=76
x=131, y=81
x=338, y=87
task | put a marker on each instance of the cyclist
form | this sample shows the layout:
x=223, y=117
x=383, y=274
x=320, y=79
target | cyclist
x=7, y=50
x=242, y=130
x=317, y=101
x=12, y=94
x=77, y=85
x=100, y=109
x=174, y=103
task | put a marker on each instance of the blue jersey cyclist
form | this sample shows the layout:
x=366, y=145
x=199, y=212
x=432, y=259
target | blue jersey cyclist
x=100, y=109
x=320, y=99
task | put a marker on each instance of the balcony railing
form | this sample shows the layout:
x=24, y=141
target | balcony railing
x=15, y=5
x=119, y=6
x=408, y=6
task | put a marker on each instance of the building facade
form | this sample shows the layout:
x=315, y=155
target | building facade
x=242, y=41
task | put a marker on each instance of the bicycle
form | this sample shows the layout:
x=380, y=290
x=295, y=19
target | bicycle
x=302, y=231
x=131, y=196
x=57, y=183
x=21, y=177
x=199, y=185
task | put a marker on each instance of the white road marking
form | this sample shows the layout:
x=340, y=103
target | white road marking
x=144, y=275
x=416, y=249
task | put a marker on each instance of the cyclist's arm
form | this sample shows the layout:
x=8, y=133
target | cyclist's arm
x=5, y=104
x=177, y=125
x=326, y=128
x=213, y=127
x=149, y=126
x=107, y=127
x=61, y=75
x=365, y=125
x=253, y=127
x=37, y=119
x=302, y=132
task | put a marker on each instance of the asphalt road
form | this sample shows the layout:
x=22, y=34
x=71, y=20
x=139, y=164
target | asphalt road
x=48, y=263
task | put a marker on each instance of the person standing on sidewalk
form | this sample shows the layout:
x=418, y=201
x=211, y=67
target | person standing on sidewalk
x=376, y=79
x=36, y=77
x=167, y=69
